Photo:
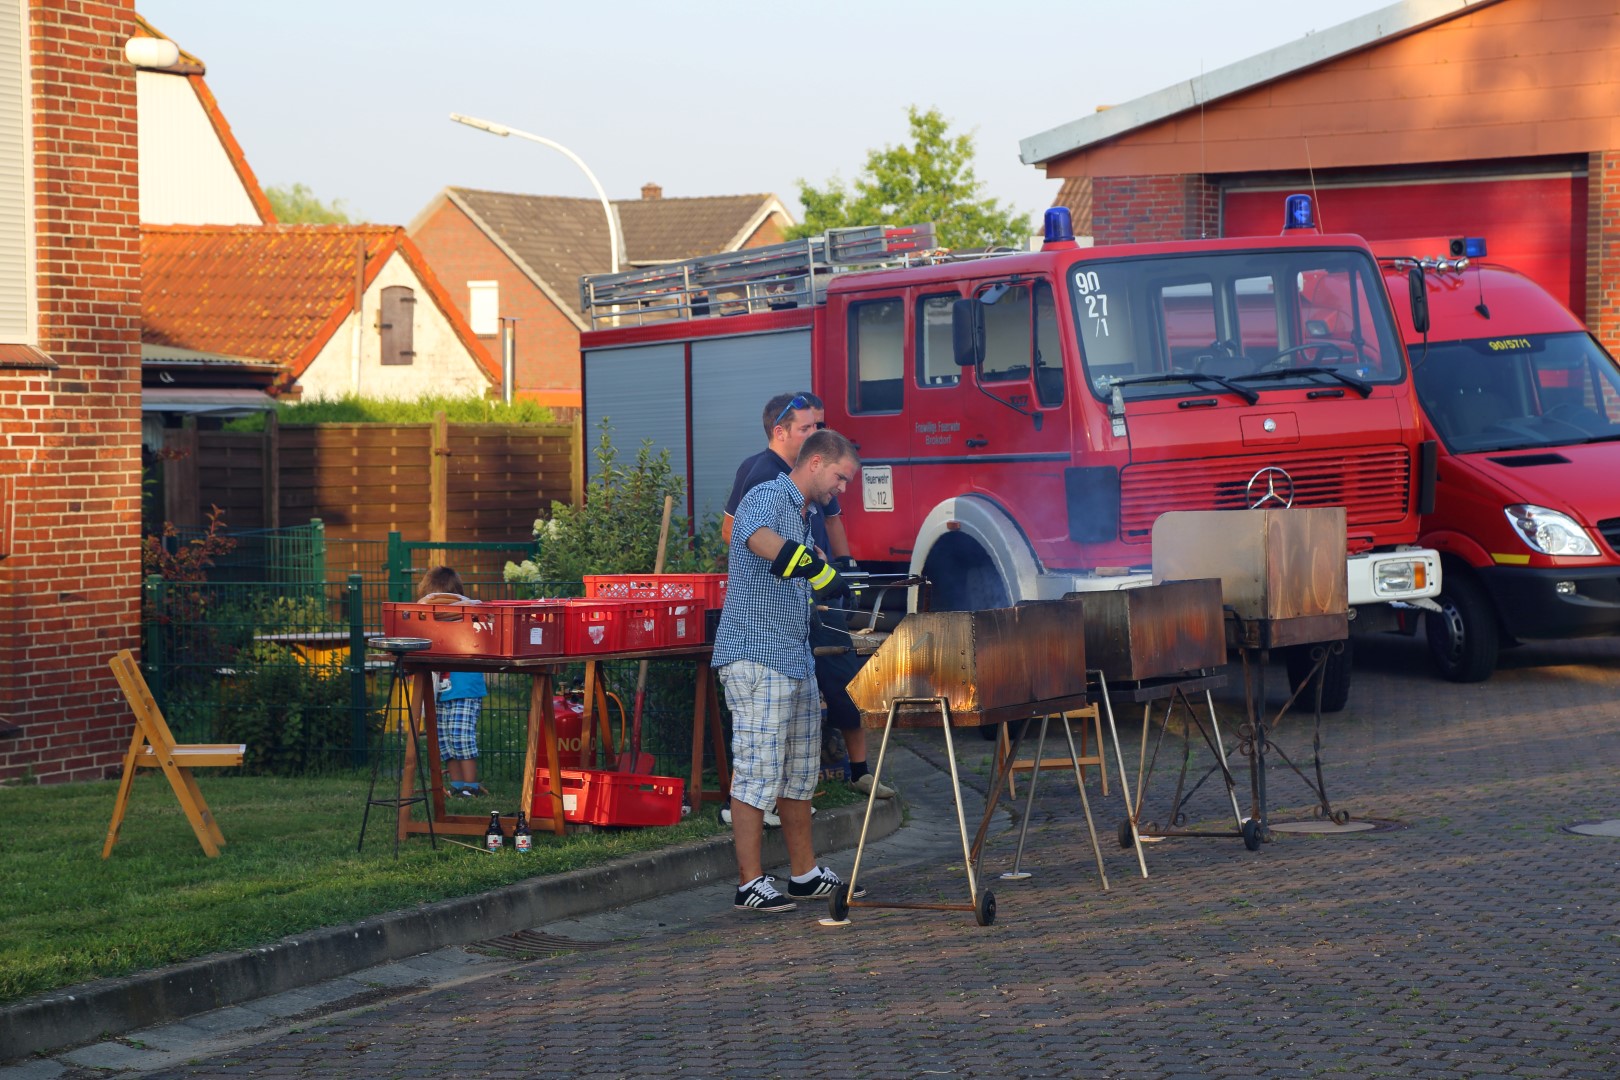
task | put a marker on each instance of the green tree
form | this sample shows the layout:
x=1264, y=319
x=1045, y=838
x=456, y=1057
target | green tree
x=930, y=178
x=296, y=204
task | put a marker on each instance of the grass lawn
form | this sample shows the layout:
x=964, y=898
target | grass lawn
x=289, y=866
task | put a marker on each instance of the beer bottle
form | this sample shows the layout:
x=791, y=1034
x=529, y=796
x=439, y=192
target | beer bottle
x=493, y=837
x=520, y=834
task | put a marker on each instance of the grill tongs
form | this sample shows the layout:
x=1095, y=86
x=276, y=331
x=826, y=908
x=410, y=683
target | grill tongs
x=864, y=640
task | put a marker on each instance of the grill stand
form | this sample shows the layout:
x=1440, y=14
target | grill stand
x=405, y=798
x=1017, y=873
x=981, y=903
x=1255, y=737
x=1174, y=692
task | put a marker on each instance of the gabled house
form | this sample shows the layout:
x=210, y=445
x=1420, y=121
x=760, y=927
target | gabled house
x=289, y=294
x=507, y=256
x=192, y=169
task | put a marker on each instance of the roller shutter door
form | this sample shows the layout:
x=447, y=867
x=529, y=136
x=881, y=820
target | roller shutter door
x=1533, y=222
x=732, y=379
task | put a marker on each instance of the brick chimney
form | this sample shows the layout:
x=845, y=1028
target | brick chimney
x=651, y=191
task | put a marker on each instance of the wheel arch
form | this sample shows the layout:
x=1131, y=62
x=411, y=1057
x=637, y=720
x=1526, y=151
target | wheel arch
x=993, y=529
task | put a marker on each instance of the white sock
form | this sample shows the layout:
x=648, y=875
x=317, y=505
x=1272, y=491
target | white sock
x=751, y=884
x=811, y=876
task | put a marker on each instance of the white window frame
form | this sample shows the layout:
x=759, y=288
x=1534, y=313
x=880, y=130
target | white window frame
x=18, y=268
x=484, y=307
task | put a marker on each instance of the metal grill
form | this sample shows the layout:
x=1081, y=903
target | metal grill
x=1372, y=483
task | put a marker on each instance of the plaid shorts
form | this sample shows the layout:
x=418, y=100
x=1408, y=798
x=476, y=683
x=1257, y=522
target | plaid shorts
x=458, y=728
x=775, y=734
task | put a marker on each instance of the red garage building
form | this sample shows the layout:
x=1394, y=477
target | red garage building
x=1494, y=118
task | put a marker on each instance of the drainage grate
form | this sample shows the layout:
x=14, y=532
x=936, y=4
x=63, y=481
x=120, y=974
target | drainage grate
x=529, y=944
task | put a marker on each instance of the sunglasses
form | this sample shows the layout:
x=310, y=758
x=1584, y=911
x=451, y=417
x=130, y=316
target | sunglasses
x=793, y=406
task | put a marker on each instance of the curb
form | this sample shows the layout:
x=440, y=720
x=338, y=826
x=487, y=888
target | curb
x=110, y=1007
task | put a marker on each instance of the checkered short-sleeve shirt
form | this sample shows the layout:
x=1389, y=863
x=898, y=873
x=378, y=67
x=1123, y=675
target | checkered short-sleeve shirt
x=766, y=618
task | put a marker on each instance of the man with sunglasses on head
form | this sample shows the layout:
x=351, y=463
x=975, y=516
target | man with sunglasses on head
x=762, y=651
x=789, y=420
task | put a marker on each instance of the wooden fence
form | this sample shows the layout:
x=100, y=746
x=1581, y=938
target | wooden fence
x=441, y=482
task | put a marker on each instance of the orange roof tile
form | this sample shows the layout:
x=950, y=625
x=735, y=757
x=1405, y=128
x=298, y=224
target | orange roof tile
x=272, y=292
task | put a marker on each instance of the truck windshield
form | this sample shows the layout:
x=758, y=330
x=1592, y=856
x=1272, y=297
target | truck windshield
x=1262, y=319
x=1510, y=393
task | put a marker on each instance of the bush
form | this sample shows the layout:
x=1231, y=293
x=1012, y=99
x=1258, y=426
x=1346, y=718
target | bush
x=352, y=409
x=616, y=531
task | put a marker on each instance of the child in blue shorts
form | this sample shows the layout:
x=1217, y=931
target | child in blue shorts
x=460, y=696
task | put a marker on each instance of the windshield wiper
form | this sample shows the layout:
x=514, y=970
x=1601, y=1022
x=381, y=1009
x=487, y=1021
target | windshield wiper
x=1246, y=393
x=1360, y=386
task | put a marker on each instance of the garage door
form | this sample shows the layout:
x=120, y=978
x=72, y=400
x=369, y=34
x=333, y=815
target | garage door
x=1535, y=223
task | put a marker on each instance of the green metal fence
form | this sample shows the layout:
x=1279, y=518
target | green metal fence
x=281, y=663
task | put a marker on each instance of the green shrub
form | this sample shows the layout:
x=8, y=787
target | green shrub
x=616, y=530
x=293, y=716
x=352, y=409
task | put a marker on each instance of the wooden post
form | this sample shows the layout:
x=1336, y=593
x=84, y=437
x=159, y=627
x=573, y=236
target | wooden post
x=439, y=481
x=576, y=459
x=182, y=504
x=270, y=470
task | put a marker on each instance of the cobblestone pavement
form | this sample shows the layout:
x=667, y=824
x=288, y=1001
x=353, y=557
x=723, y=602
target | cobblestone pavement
x=1478, y=939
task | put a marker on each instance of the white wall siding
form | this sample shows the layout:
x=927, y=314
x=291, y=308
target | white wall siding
x=186, y=176
x=442, y=364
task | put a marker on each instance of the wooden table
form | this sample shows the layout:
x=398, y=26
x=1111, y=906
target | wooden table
x=542, y=730
x=316, y=647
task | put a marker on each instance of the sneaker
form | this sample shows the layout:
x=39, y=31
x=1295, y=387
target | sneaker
x=867, y=782
x=821, y=885
x=761, y=895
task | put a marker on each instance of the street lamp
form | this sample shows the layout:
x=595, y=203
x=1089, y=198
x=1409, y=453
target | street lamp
x=607, y=207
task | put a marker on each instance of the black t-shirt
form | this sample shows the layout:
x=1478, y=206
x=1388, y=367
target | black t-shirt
x=768, y=465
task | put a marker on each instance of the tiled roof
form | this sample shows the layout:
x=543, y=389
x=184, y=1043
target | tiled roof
x=559, y=239
x=664, y=230
x=276, y=292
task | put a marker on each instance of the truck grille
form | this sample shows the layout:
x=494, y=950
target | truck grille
x=1610, y=528
x=1372, y=484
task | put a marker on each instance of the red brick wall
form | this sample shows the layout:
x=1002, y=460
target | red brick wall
x=1144, y=209
x=70, y=438
x=1603, y=246
x=547, y=340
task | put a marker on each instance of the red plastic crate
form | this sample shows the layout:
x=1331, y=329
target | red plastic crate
x=598, y=797
x=641, y=626
x=592, y=626
x=499, y=630
x=682, y=622
x=710, y=588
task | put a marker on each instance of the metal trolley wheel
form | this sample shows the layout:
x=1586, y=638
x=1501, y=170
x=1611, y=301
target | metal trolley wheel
x=838, y=903
x=1251, y=834
x=984, y=908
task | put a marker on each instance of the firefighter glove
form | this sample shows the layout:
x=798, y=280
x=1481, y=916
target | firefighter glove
x=796, y=560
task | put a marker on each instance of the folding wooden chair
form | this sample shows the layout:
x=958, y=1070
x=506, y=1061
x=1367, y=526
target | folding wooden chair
x=153, y=747
x=1004, y=747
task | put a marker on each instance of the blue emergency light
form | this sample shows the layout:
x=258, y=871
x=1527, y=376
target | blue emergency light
x=1471, y=247
x=1298, y=213
x=1057, y=225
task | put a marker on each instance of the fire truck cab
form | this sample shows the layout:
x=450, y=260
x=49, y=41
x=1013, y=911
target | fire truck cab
x=1526, y=407
x=1023, y=418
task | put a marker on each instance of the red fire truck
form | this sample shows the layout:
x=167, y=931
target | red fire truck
x=1526, y=406
x=1024, y=417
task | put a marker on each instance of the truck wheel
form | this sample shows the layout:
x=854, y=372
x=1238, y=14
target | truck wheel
x=1464, y=639
x=962, y=578
x=1335, y=676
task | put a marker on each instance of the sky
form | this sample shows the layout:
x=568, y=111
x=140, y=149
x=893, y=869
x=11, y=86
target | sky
x=704, y=97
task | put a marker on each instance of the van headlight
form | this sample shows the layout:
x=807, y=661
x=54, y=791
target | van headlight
x=1399, y=577
x=1550, y=532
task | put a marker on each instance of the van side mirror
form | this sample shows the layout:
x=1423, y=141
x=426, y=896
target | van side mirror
x=967, y=332
x=1418, y=293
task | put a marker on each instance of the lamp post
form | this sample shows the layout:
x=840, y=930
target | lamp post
x=607, y=207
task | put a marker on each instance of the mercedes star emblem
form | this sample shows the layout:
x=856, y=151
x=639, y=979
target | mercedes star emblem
x=1270, y=485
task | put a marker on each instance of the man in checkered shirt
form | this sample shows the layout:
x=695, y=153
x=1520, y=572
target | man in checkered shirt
x=762, y=649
